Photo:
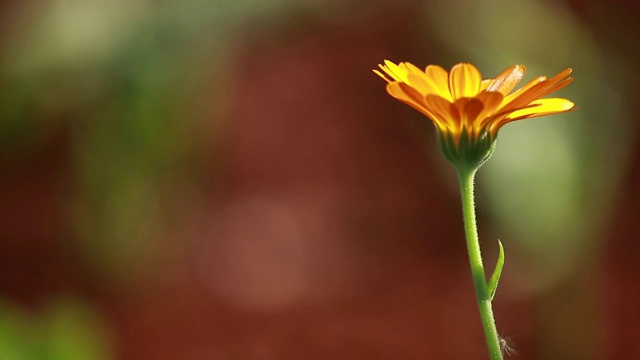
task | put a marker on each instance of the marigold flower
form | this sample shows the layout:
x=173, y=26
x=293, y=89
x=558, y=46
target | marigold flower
x=467, y=111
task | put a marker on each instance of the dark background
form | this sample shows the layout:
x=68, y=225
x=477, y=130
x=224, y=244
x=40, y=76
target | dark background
x=229, y=180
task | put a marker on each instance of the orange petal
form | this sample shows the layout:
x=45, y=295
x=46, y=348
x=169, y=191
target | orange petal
x=524, y=95
x=561, y=75
x=558, y=86
x=555, y=83
x=540, y=89
x=471, y=110
x=397, y=91
x=445, y=112
x=491, y=102
x=409, y=96
x=527, y=86
x=413, y=94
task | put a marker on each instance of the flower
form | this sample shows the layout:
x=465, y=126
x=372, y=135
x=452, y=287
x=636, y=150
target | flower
x=467, y=111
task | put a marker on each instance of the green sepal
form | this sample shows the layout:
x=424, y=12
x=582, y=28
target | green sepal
x=493, y=281
x=466, y=151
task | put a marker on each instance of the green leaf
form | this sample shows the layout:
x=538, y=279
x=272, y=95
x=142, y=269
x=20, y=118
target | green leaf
x=493, y=281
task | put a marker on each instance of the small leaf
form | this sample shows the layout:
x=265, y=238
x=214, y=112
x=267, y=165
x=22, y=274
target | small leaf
x=493, y=281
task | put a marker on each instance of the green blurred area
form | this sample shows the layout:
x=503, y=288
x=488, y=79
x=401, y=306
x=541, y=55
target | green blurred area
x=138, y=87
x=66, y=329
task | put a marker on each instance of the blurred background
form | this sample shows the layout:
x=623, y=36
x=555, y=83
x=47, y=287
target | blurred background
x=227, y=179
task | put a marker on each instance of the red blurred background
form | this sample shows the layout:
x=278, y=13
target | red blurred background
x=229, y=180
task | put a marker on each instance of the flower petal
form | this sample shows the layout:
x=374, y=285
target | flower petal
x=445, y=113
x=381, y=75
x=558, y=86
x=398, y=72
x=484, y=84
x=463, y=106
x=543, y=87
x=464, y=81
x=421, y=84
x=396, y=90
x=412, y=69
x=508, y=79
x=541, y=107
x=509, y=99
x=491, y=102
x=555, y=83
x=561, y=75
x=388, y=72
x=409, y=96
x=440, y=79
x=470, y=108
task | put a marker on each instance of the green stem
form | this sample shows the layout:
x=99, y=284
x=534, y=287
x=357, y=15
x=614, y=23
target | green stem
x=477, y=269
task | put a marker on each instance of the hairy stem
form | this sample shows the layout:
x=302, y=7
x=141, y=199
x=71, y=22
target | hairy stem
x=475, y=258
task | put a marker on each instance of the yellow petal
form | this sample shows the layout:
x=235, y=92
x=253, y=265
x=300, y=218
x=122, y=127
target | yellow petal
x=397, y=72
x=389, y=72
x=440, y=79
x=495, y=121
x=381, y=75
x=419, y=80
x=412, y=68
x=508, y=79
x=422, y=85
x=464, y=81
x=541, y=107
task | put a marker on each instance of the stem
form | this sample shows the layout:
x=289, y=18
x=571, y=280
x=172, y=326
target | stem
x=475, y=258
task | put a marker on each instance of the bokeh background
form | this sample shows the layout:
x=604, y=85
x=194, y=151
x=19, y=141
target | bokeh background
x=227, y=179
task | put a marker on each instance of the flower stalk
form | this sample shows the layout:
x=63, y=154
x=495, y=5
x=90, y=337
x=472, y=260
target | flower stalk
x=483, y=295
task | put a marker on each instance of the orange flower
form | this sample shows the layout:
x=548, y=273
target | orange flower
x=469, y=111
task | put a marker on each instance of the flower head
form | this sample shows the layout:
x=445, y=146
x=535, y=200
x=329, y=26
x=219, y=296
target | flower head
x=467, y=110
